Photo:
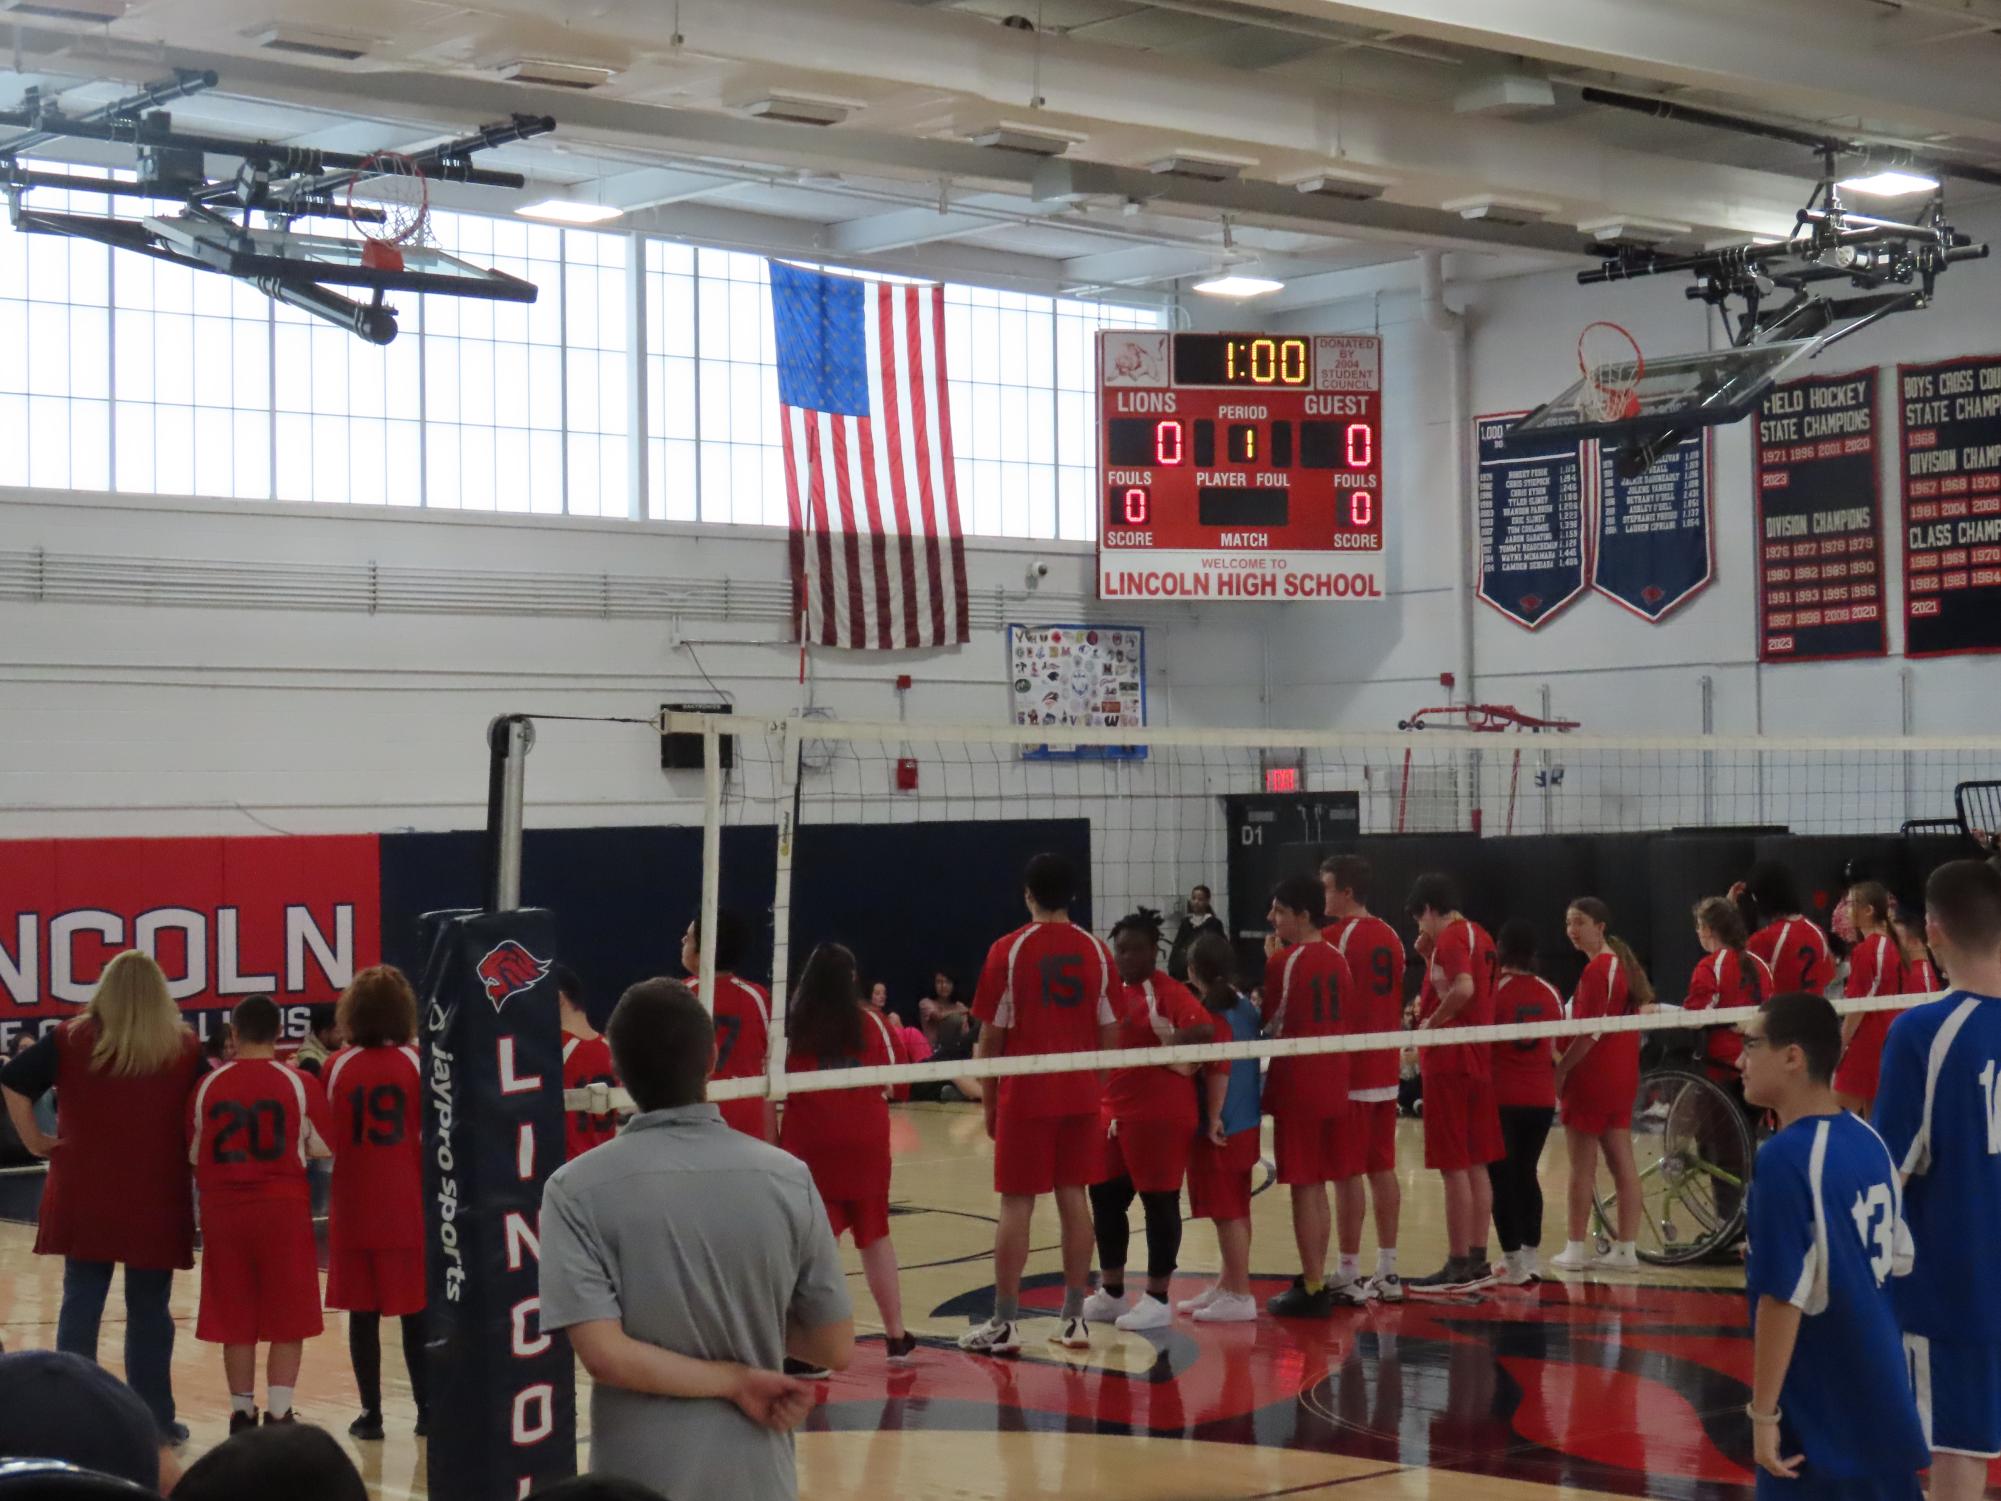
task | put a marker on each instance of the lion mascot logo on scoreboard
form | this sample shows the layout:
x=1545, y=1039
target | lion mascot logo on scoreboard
x=508, y=969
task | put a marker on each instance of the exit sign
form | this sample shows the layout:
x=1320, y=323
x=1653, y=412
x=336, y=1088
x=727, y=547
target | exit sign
x=1281, y=779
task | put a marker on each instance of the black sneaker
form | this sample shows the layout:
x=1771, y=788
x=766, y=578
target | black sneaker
x=291, y=1416
x=238, y=1421
x=1297, y=1303
x=367, y=1426
x=174, y=1435
x=900, y=1350
x=1444, y=1280
x=806, y=1371
x=1476, y=1272
x=423, y=1428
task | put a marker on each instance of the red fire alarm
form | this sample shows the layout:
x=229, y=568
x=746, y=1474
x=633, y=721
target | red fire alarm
x=906, y=773
x=903, y=682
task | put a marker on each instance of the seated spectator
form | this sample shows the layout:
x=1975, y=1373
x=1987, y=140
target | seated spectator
x=278, y=1462
x=56, y=1406
x=942, y=1005
x=322, y=1039
x=952, y=1044
x=679, y=1236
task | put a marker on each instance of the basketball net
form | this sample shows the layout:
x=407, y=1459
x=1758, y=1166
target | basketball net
x=1613, y=367
x=395, y=184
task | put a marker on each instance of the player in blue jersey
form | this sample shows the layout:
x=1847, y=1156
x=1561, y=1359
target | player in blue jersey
x=1832, y=1417
x=1938, y=1106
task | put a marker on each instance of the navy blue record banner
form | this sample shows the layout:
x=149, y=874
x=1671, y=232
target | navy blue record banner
x=1531, y=524
x=1952, y=505
x=503, y=1392
x=1654, y=550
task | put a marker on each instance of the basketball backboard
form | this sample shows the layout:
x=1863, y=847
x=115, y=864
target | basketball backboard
x=1677, y=393
x=329, y=260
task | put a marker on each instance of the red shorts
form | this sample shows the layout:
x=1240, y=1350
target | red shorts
x=1037, y=1154
x=260, y=1278
x=1462, y=1126
x=390, y=1282
x=1219, y=1178
x=752, y=1117
x=1317, y=1149
x=1376, y=1124
x=868, y=1218
x=1154, y=1154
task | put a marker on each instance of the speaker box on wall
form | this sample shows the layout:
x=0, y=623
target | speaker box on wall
x=684, y=752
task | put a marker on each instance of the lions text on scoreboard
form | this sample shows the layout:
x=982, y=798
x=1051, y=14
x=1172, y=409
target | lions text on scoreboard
x=1240, y=466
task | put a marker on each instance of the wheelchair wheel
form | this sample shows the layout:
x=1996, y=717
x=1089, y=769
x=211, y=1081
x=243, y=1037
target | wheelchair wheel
x=1693, y=1148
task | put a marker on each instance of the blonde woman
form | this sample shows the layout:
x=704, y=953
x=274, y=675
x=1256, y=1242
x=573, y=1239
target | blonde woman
x=118, y=1191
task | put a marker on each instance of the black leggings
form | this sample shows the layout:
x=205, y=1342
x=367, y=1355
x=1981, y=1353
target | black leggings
x=1109, y=1203
x=364, y=1350
x=1517, y=1190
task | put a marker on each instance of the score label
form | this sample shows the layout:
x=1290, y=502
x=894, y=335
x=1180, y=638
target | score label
x=1240, y=466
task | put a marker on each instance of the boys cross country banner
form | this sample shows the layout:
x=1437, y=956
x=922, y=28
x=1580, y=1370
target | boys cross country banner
x=1531, y=525
x=292, y=918
x=503, y=1392
x=1654, y=552
x=1952, y=506
x=1819, y=514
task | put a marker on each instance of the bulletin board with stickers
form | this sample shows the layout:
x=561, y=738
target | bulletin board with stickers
x=1082, y=676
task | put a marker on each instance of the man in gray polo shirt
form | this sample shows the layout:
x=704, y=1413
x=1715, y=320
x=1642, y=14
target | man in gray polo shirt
x=687, y=1260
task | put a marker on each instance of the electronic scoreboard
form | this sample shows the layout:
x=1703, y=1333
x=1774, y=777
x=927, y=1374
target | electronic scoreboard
x=1240, y=466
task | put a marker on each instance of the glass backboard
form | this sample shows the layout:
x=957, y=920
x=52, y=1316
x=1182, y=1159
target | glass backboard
x=1678, y=392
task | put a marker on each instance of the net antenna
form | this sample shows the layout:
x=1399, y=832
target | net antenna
x=395, y=184
x=1613, y=366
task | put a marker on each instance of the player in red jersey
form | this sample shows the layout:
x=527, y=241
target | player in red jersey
x=1375, y=958
x=1308, y=992
x=1921, y=975
x=1792, y=946
x=586, y=1061
x=1462, y=1125
x=742, y=1012
x=254, y=1122
x=1597, y=1079
x=842, y=1135
x=1875, y=967
x=1149, y=1118
x=1731, y=975
x=375, y=1205
x=1045, y=988
x=1524, y=1074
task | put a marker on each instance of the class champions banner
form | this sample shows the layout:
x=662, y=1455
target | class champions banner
x=1654, y=550
x=1951, y=422
x=1531, y=524
x=1820, y=520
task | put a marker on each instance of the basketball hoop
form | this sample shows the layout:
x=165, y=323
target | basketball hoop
x=397, y=187
x=1613, y=367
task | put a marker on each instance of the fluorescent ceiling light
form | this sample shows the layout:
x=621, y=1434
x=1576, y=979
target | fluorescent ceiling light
x=1889, y=184
x=569, y=211
x=1237, y=284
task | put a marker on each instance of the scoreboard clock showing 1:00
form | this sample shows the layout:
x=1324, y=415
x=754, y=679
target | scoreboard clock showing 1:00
x=1240, y=466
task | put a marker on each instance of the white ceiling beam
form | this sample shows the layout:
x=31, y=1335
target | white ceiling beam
x=1824, y=57
x=1400, y=275
x=901, y=229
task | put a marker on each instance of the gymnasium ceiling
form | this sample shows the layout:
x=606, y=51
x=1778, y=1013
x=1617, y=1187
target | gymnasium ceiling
x=1464, y=117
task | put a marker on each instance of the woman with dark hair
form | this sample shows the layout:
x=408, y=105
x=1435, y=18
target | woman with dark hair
x=842, y=1135
x=1597, y=1079
x=1921, y=973
x=1524, y=1075
x=1790, y=943
x=943, y=1004
x=119, y=1191
x=1730, y=975
x=1875, y=967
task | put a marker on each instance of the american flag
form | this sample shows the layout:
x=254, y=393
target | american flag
x=878, y=559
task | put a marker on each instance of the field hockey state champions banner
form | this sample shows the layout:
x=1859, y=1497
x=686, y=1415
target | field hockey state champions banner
x=1820, y=514
x=1654, y=552
x=1531, y=525
x=292, y=918
x=1951, y=415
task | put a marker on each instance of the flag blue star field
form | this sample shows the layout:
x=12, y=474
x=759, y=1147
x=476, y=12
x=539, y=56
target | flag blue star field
x=878, y=559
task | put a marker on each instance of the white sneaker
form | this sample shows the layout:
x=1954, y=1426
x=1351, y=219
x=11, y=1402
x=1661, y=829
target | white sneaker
x=1201, y=1300
x=1072, y=1334
x=994, y=1337
x=1102, y=1308
x=1514, y=1273
x=1386, y=1287
x=1618, y=1259
x=1531, y=1260
x=1147, y=1313
x=1229, y=1308
x=1575, y=1257
x=1354, y=1293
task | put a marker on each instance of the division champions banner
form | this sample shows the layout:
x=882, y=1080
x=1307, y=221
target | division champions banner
x=1531, y=525
x=1654, y=550
x=1820, y=515
x=1951, y=415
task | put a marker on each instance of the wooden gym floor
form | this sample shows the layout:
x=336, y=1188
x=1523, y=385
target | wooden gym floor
x=1628, y=1385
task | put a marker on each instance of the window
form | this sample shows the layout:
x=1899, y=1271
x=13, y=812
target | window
x=147, y=377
